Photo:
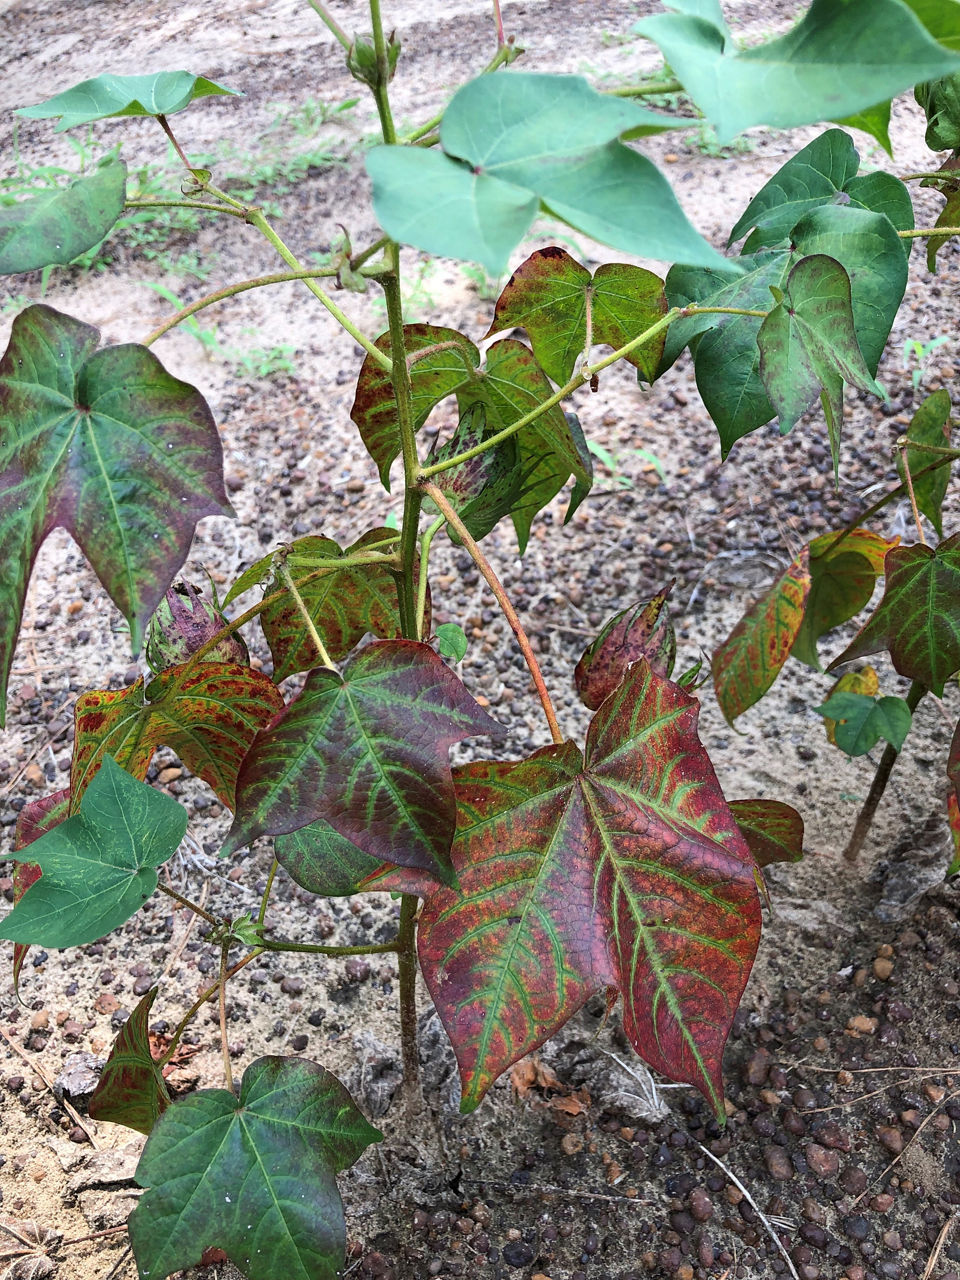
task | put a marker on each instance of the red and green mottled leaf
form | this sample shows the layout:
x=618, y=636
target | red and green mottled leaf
x=953, y=763
x=918, y=619
x=432, y=378
x=183, y=624
x=321, y=860
x=773, y=830
x=842, y=580
x=862, y=680
x=108, y=445
x=485, y=488
x=34, y=820
x=746, y=664
x=953, y=818
x=930, y=425
x=623, y=870
x=644, y=630
x=132, y=1090
x=208, y=716
x=368, y=752
x=549, y=295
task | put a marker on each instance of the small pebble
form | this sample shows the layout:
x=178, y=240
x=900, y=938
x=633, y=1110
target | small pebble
x=778, y=1163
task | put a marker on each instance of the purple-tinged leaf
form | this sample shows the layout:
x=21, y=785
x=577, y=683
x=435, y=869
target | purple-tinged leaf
x=183, y=623
x=643, y=630
x=34, y=820
x=132, y=1090
x=773, y=830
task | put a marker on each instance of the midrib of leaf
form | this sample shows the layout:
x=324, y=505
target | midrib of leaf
x=127, y=563
x=268, y=1183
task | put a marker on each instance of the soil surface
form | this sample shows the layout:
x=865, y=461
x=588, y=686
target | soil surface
x=840, y=1156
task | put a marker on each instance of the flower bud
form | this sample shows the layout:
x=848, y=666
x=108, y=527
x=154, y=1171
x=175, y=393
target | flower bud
x=183, y=623
x=362, y=60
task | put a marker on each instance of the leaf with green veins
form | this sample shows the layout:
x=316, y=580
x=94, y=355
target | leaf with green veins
x=838, y=60
x=873, y=120
x=643, y=630
x=511, y=143
x=949, y=217
x=99, y=866
x=941, y=18
x=822, y=172
x=108, y=445
x=621, y=871
x=483, y=489
x=808, y=347
x=773, y=830
x=35, y=819
x=131, y=1089
x=860, y=680
x=208, y=716
x=548, y=295
x=343, y=604
x=432, y=377
x=324, y=862
x=930, y=425
x=161, y=94
x=254, y=1175
x=368, y=752
x=918, y=619
x=451, y=641
x=842, y=579
x=57, y=226
x=953, y=820
x=940, y=100
x=746, y=664
x=861, y=721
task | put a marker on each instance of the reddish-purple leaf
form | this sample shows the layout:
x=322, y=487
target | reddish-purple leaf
x=108, y=445
x=209, y=716
x=643, y=630
x=34, y=820
x=549, y=296
x=183, y=623
x=918, y=619
x=773, y=830
x=132, y=1090
x=746, y=664
x=368, y=752
x=623, y=870
x=953, y=761
x=953, y=819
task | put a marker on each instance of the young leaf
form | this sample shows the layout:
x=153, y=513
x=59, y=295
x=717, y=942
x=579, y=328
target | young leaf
x=861, y=721
x=746, y=664
x=324, y=862
x=34, y=820
x=839, y=59
x=208, y=717
x=512, y=143
x=643, y=630
x=485, y=488
x=254, y=1176
x=861, y=680
x=808, y=347
x=57, y=226
x=622, y=870
x=109, y=446
x=131, y=1089
x=930, y=425
x=940, y=100
x=182, y=624
x=160, y=94
x=549, y=296
x=98, y=866
x=773, y=830
x=367, y=751
x=451, y=641
x=842, y=579
x=949, y=217
x=918, y=619
x=873, y=120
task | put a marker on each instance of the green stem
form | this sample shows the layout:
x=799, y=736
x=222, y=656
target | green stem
x=224, y=1044
x=649, y=90
x=198, y=1004
x=380, y=93
x=503, y=600
x=262, y=913
x=257, y=219
x=358, y=260
x=426, y=538
x=407, y=968
x=258, y=282
x=880, y=779
x=929, y=231
x=185, y=902
x=330, y=22
x=164, y=125
x=318, y=948
x=283, y=573
x=186, y=204
x=503, y=57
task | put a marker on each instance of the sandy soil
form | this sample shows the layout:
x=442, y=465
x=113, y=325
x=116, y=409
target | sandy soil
x=845, y=1051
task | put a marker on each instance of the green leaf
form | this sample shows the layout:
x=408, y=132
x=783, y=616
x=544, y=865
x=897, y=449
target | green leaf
x=324, y=862
x=208, y=716
x=773, y=830
x=918, y=619
x=861, y=721
x=131, y=1089
x=746, y=664
x=842, y=579
x=451, y=641
x=643, y=630
x=941, y=18
x=549, y=296
x=98, y=866
x=35, y=819
x=839, y=59
x=59, y=225
x=823, y=172
x=253, y=1176
x=859, y=680
x=930, y=425
x=940, y=100
x=619, y=871
x=873, y=120
x=808, y=347
x=367, y=751
x=949, y=217
x=163, y=93
x=513, y=142
x=108, y=445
